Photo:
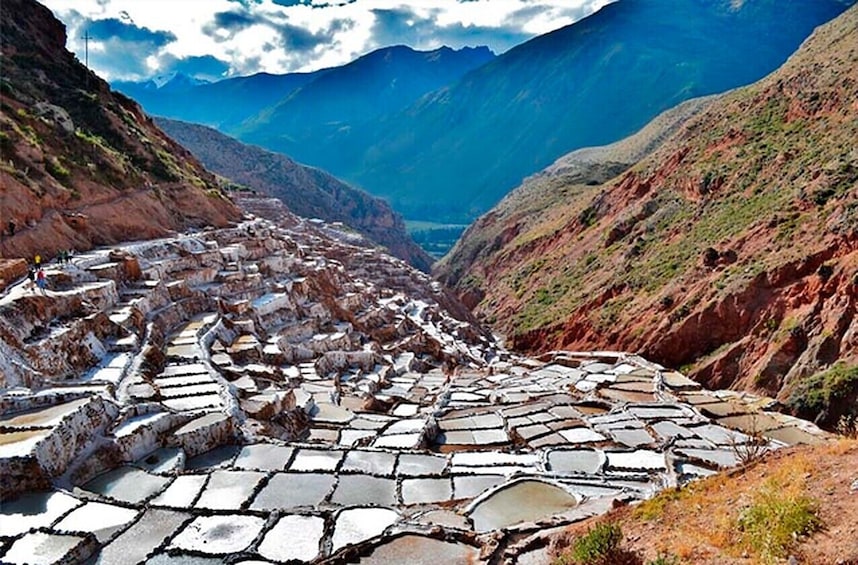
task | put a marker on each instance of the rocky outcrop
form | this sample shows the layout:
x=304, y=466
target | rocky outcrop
x=82, y=165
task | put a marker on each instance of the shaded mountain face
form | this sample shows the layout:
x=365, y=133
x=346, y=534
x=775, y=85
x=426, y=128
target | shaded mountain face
x=323, y=121
x=455, y=152
x=306, y=191
x=82, y=165
x=220, y=104
x=300, y=108
x=731, y=250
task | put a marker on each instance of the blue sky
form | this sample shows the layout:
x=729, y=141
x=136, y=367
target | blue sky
x=211, y=39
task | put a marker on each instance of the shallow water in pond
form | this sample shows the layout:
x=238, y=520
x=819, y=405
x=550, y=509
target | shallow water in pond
x=522, y=501
x=127, y=484
x=291, y=490
x=420, y=550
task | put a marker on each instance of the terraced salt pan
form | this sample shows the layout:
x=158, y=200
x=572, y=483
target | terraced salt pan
x=219, y=535
x=227, y=490
x=286, y=491
x=218, y=457
x=520, y=501
x=372, y=462
x=641, y=459
x=20, y=444
x=573, y=461
x=419, y=550
x=130, y=425
x=413, y=464
x=33, y=510
x=193, y=403
x=293, y=538
x=355, y=525
x=127, y=484
x=102, y=520
x=355, y=490
x=148, y=533
x=182, y=491
x=40, y=548
x=42, y=417
x=315, y=460
x=398, y=441
x=428, y=490
x=469, y=486
x=162, y=460
x=263, y=456
x=581, y=435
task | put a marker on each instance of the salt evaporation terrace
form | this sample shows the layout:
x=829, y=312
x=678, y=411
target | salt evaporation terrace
x=175, y=402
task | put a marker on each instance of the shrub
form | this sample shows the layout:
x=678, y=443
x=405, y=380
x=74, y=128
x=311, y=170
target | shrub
x=664, y=559
x=598, y=546
x=774, y=521
x=56, y=169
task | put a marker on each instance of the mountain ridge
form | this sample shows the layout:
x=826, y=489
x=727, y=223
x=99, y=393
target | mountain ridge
x=730, y=250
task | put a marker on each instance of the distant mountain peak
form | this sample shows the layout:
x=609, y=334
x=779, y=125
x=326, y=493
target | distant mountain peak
x=176, y=81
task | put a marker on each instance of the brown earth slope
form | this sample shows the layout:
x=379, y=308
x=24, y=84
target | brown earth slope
x=731, y=250
x=702, y=523
x=82, y=165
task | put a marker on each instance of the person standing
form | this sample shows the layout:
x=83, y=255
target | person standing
x=41, y=281
x=31, y=277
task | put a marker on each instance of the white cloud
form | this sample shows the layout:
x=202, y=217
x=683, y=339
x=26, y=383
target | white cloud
x=261, y=35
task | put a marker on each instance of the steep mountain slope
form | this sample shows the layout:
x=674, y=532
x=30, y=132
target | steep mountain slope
x=316, y=122
x=525, y=208
x=219, y=104
x=732, y=249
x=306, y=191
x=82, y=165
x=456, y=152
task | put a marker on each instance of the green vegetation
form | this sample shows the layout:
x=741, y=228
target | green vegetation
x=653, y=508
x=665, y=559
x=599, y=546
x=57, y=170
x=831, y=393
x=774, y=521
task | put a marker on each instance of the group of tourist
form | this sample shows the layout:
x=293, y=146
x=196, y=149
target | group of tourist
x=36, y=274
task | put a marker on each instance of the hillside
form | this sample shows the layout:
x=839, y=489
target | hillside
x=732, y=250
x=712, y=521
x=82, y=165
x=306, y=191
x=524, y=207
x=457, y=152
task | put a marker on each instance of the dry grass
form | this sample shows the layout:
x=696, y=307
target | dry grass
x=761, y=513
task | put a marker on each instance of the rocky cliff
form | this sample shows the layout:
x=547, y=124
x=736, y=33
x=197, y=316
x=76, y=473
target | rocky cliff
x=306, y=191
x=82, y=165
x=731, y=250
